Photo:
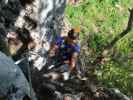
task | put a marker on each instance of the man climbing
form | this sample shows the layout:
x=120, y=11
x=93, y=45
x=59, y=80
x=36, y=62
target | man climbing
x=18, y=41
x=67, y=50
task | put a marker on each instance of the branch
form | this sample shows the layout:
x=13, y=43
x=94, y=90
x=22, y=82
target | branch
x=107, y=48
x=122, y=34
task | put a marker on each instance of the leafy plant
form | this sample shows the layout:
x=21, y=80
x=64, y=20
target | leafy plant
x=102, y=20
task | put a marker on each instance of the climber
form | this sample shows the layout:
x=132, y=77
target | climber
x=67, y=49
x=18, y=42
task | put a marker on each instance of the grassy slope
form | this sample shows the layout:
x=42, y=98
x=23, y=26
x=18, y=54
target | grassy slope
x=107, y=18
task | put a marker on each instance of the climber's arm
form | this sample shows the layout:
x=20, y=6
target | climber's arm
x=53, y=50
x=54, y=47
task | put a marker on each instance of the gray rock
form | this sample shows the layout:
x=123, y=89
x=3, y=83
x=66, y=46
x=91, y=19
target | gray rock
x=50, y=15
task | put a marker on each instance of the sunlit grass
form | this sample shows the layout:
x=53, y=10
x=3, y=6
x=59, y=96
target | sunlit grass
x=107, y=18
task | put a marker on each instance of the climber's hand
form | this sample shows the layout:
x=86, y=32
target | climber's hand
x=66, y=61
x=51, y=53
x=53, y=50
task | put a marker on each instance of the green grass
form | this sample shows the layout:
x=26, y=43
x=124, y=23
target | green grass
x=104, y=19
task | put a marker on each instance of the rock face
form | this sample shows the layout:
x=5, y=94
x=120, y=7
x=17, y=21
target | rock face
x=50, y=16
x=42, y=18
x=9, y=10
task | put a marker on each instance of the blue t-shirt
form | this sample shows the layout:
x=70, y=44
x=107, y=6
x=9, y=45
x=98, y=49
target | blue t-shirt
x=66, y=49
